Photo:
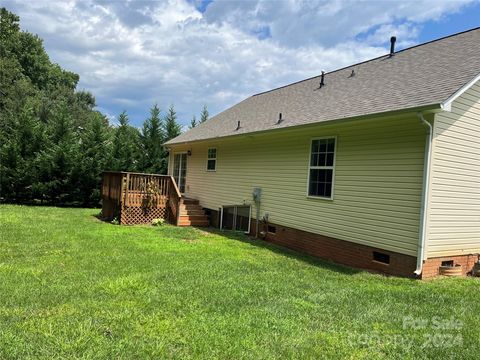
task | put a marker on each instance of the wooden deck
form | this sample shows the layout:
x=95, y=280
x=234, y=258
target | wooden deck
x=135, y=198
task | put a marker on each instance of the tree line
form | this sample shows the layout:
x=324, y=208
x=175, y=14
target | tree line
x=54, y=144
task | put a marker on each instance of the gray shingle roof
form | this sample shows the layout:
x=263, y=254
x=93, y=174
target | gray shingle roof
x=423, y=75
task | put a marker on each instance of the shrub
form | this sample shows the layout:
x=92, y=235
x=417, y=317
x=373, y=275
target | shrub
x=158, y=222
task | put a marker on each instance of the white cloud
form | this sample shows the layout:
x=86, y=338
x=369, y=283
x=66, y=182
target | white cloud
x=133, y=54
x=297, y=23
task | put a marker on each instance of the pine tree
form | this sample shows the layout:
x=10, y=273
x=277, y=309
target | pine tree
x=29, y=139
x=55, y=164
x=172, y=127
x=152, y=138
x=125, y=146
x=193, y=123
x=92, y=160
x=172, y=130
x=20, y=145
x=123, y=119
x=204, y=114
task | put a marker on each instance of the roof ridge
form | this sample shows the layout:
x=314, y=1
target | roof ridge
x=366, y=61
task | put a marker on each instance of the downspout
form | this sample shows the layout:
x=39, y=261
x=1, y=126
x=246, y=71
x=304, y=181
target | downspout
x=425, y=194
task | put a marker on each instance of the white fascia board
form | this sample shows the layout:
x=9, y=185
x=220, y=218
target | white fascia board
x=447, y=104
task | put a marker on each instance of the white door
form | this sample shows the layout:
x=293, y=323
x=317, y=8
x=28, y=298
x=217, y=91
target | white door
x=180, y=170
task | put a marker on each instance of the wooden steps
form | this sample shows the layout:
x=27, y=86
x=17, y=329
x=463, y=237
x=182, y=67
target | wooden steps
x=192, y=214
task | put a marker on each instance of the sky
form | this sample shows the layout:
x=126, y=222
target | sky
x=190, y=53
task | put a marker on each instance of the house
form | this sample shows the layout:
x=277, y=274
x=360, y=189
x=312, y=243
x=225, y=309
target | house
x=376, y=165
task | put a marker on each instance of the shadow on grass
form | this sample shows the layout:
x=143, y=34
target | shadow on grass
x=281, y=250
x=191, y=233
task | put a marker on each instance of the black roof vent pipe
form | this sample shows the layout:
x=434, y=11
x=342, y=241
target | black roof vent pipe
x=279, y=118
x=238, y=125
x=322, y=79
x=392, y=45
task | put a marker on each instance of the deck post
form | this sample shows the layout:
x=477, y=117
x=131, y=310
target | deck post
x=126, y=201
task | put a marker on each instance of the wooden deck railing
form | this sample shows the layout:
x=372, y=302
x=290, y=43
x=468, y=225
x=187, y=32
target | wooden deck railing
x=146, y=190
x=121, y=190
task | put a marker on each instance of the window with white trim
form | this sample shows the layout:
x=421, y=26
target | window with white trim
x=321, y=169
x=212, y=159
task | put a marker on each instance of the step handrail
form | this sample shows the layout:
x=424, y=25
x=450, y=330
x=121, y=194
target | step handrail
x=175, y=200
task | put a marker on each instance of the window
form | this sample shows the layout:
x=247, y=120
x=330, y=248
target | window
x=212, y=159
x=180, y=170
x=322, y=162
x=236, y=217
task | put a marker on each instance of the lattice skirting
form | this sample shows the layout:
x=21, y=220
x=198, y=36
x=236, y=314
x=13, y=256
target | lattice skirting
x=138, y=215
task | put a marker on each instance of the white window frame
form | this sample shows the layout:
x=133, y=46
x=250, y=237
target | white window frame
x=216, y=158
x=235, y=213
x=186, y=168
x=322, y=167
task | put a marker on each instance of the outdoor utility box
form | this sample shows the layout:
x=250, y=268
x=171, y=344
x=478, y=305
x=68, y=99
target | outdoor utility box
x=257, y=194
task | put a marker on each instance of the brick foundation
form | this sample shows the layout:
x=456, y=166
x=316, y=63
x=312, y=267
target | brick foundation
x=340, y=251
x=431, y=266
x=352, y=254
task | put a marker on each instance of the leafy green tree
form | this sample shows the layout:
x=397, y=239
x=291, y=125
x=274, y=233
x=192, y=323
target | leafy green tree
x=46, y=126
x=54, y=144
x=204, y=114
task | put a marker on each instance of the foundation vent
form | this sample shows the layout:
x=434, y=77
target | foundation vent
x=381, y=257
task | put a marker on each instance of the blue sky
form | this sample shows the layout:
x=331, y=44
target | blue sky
x=133, y=54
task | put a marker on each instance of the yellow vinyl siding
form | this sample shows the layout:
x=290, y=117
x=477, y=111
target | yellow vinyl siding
x=377, y=188
x=454, y=206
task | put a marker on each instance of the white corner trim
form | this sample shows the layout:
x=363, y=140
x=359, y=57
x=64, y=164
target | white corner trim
x=447, y=104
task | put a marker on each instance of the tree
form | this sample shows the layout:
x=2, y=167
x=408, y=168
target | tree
x=125, y=146
x=55, y=163
x=172, y=127
x=152, y=137
x=19, y=148
x=172, y=130
x=204, y=114
x=53, y=143
x=193, y=123
x=92, y=159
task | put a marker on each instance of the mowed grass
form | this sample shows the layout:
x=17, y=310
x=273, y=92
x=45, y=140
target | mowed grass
x=74, y=287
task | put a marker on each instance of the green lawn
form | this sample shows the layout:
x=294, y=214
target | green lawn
x=74, y=287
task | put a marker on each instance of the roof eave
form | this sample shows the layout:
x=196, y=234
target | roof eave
x=424, y=108
x=447, y=104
